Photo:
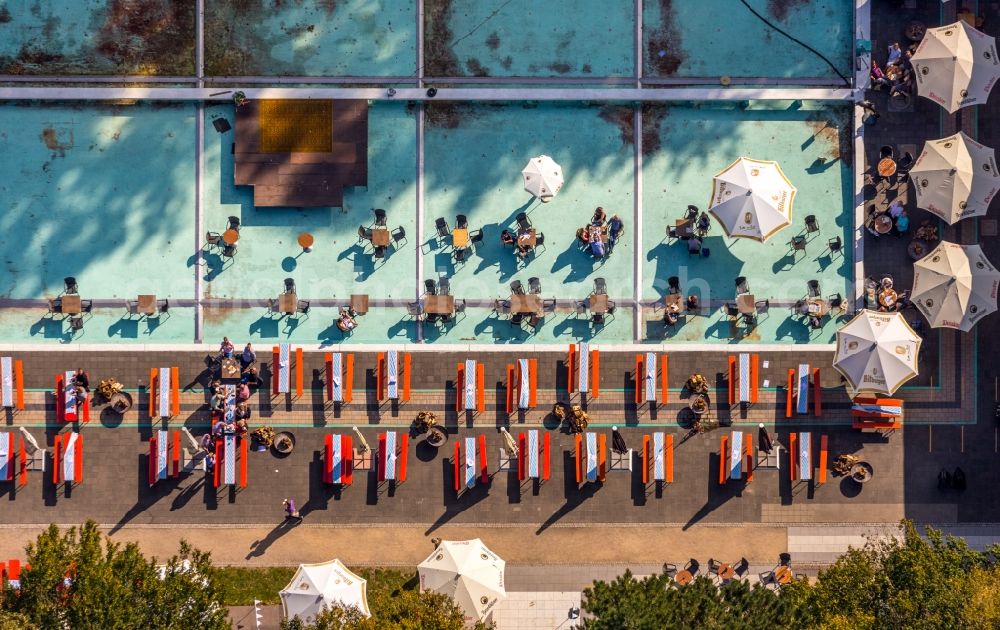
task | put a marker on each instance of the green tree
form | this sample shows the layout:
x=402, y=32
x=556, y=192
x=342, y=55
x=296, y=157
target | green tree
x=653, y=603
x=79, y=579
x=915, y=582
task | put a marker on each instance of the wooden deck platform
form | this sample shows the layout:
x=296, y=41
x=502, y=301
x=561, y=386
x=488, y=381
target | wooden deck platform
x=283, y=151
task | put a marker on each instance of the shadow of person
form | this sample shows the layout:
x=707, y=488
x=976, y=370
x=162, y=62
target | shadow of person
x=259, y=547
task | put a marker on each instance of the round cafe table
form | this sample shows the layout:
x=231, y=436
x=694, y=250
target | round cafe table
x=683, y=577
x=917, y=249
x=306, y=241
x=883, y=224
x=915, y=31
x=726, y=572
x=230, y=237
x=887, y=167
x=783, y=575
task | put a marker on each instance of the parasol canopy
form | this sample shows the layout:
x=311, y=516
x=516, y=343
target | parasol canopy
x=752, y=199
x=876, y=352
x=956, y=66
x=955, y=177
x=543, y=178
x=468, y=572
x=954, y=286
x=325, y=585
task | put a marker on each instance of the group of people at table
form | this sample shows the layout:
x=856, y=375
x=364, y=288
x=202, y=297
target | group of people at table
x=881, y=295
x=893, y=219
x=600, y=235
x=249, y=380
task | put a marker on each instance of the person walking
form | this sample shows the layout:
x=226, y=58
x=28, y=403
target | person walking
x=290, y=510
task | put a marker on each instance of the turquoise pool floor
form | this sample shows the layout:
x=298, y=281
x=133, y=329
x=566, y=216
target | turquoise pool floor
x=107, y=194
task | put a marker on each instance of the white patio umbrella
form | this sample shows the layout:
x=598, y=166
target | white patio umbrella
x=955, y=285
x=752, y=199
x=325, y=585
x=955, y=177
x=468, y=572
x=543, y=178
x=876, y=352
x=956, y=65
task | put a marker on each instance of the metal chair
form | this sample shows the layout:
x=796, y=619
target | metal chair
x=750, y=320
x=399, y=235
x=459, y=255
x=516, y=319
x=380, y=217
x=762, y=306
x=581, y=307
x=811, y=224
x=886, y=152
x=229, y=251
x=600, y=286
x=534, y=285
x=163, y=306
x=476, y=236
x=442, y=227
x=670, y=569
x=69, y=285
x=430, y=287
x=732, y=311
x=522, y=221
x=516, y=287
x=444, y=286
x=213, y=238
x=692, y=566
x=303, y=307
x=742, y=286
x=597, y=319
x=289, y=285
x=691, y=213
x=694, y=246
x=234, y=224
x=380, y=252
x=540, y=240
x=611, y=307
x=86, y=306
x=672, y=233
x=673, y=285
x=798, y=243
x=812, y=288
x=460, y=306
x=75, y=323
x=549, y=306
x=413, y=309
x=836, y=301
x=714, y=566
x=534, y=320
x=462, y=222
x=835, y=245
x=364, y=234
x=501, y=307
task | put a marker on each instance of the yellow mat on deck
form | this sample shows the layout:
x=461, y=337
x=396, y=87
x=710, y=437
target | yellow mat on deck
x=296, y=126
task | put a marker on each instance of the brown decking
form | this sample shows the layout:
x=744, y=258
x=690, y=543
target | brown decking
x=303, y=178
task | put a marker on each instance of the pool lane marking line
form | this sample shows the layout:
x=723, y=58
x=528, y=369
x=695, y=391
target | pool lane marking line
x=637, y=248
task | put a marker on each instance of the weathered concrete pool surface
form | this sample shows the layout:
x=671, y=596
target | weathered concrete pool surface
x=106, y=193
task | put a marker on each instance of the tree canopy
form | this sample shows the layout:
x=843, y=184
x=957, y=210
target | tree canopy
x=915, y=582
x=79, y=579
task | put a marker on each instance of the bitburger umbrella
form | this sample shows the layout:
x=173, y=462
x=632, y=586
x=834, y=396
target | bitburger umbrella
x=468, y=572
x=752, y=199
x=954, y=286
x=315, y=587
x=543, y=178
x=956, y=66
x=876, y=352
x=955, y=177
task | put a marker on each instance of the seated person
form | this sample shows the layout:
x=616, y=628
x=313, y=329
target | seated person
x=599, y=216
x=346, y=322
x=878, y=77
x=218, y=401
x=506, y=237
x=692, y=302
x=597, y=248
x=81, y=395
x=243, y=411
x=250, y=377
x=670, y=316
x=248, y=357
x=522, y=248
x=902, y=223
x=895, y=53
x=208, y=442
x=616, y=227
x=241, y=427
x=242, y=392
x=694, y=245
x=814, y=322
x=219, y=427
x=226, y=348
x=583, y=235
